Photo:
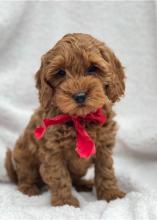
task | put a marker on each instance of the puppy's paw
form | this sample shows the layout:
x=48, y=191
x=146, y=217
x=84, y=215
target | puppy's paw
x=72, y=201
x=109, y=195
x=84, y=185
x=30, y=190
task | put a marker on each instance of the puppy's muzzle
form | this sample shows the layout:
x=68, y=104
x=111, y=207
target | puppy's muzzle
x=79, y=97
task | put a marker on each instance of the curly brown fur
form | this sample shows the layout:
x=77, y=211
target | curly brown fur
x=10, y=167
x=90, y=66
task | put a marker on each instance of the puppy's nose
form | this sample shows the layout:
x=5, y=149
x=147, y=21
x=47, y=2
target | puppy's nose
x=80, y=97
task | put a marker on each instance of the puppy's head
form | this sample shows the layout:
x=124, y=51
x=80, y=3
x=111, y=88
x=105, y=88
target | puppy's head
x=79, y=75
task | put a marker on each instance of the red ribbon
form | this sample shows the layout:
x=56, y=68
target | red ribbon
x=85, y=146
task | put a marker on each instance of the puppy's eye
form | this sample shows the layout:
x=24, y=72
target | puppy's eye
x=60, y=72
x=92, y=69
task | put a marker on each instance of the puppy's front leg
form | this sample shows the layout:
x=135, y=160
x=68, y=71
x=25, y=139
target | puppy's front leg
x=56, y=175
x=105, y=180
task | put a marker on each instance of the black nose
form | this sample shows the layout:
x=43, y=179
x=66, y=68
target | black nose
x=80, y=97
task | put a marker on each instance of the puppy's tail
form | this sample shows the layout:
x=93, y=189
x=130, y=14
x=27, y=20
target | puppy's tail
x=10, y=167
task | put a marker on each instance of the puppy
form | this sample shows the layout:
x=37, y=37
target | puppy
x=79, y=79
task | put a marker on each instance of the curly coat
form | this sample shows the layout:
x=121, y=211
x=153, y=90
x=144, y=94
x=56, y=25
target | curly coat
x=78, y=62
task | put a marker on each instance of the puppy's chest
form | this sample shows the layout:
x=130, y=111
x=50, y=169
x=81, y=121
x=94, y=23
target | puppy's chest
x=66, y=134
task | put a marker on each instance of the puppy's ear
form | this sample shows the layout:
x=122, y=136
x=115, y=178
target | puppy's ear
x=116, y=84
x=45, y=90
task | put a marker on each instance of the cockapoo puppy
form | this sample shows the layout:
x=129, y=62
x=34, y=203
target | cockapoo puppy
x=79, y=80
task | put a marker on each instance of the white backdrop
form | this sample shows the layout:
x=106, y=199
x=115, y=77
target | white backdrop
x=29, y=29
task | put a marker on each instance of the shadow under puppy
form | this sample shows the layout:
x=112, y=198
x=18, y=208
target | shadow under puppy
x=79, y=80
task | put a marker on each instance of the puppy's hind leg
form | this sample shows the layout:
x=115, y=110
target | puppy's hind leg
x=10, y=167
x=83, y=184
x=26, y=165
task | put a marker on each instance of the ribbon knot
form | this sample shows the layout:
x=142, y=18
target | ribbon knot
x=85, y=146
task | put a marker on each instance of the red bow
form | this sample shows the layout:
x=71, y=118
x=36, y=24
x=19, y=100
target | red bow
x=85, y=146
